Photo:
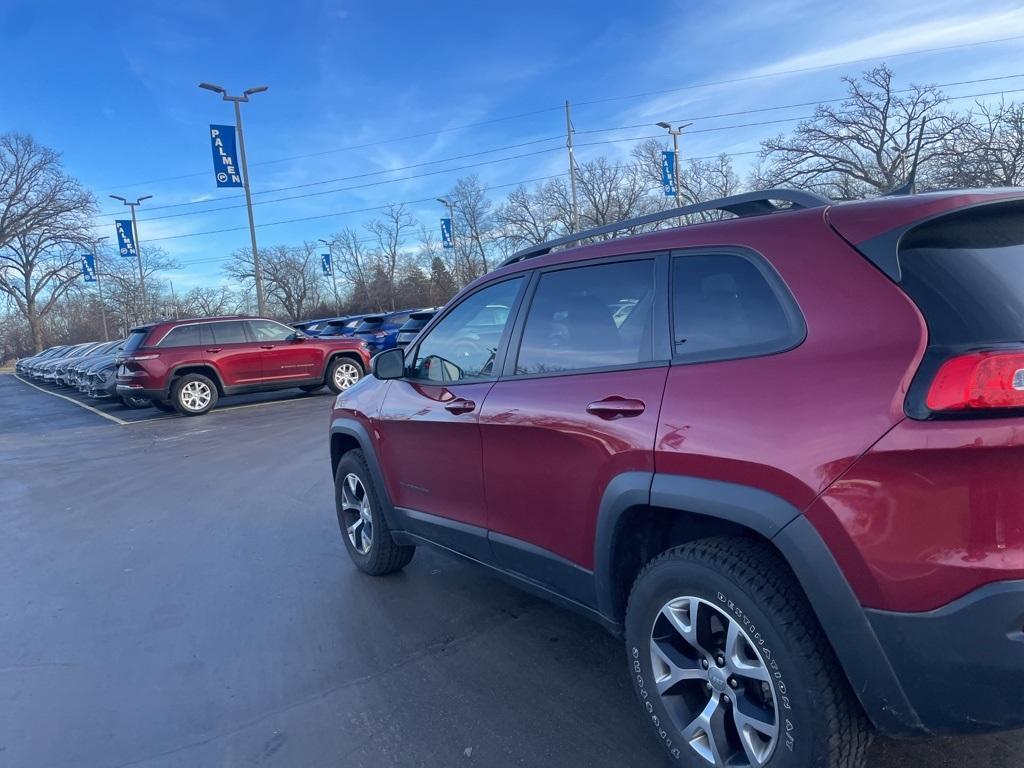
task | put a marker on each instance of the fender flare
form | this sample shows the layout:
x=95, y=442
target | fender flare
x=353, y=428
x=833, y=601
x=172, y=373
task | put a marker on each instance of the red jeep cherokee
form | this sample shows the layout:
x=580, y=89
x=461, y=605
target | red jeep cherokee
x=781, y=453
x=185, y=365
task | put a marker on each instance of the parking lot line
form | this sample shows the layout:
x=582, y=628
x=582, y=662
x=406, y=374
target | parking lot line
x=114, y=419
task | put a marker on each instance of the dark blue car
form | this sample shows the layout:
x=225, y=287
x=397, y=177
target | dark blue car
x=380, y=332
x=340, y=326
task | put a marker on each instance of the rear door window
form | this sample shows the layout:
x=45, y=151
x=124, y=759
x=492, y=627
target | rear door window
x=229, y=332
x=726, y=305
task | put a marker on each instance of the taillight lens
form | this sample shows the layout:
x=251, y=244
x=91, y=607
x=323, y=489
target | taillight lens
x=979, y=380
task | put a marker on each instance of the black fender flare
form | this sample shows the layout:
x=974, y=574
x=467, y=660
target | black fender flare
x=833, y=601
x=172, y=374
x=353, y=428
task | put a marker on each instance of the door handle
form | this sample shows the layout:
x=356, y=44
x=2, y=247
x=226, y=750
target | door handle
x=614, y=407
x=460, y=405
x=266, y=346
x=213, y=349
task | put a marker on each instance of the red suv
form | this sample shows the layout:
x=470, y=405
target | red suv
x=185, y=365
x=781, y=453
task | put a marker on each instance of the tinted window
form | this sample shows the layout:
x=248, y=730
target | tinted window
x=228, y=332
x=398, y=319
x=268, y=330
x=183, y=336
x=966, y=273
x=726, y=306
x=369, y=325
x=457, y=350
x=576, y=319
x=135, y=339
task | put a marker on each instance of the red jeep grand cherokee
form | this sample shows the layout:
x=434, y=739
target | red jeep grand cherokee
x=782, y=453
x=185, y=365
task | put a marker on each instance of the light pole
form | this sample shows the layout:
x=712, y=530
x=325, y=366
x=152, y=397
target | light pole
x=334, y=277
x=138, y=249
x=676, y=133
x=174, y=299
x=99, y=284
x=451, y=216
x=237, y=100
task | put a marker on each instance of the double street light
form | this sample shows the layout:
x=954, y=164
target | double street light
x=237, y=100
x=133, y=204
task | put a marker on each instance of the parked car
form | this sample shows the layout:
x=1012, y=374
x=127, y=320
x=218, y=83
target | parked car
x=790, y=474
x=47, y=370
x=314, y=327
x=33, y=366
x=380, y=332
x=185, y=365
x=341, y=326
x=411, y=327
x=21, y=367
x=64, y=373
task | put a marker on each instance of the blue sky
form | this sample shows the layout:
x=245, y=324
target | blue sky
x=113, y=86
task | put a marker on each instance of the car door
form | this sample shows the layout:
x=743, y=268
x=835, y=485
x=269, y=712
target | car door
x=285, y=356
x=235, y=356
x=577, y=405
x=428, y=438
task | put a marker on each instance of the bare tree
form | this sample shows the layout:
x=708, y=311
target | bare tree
x=474, y=228
x=700, y=180
x=612, y=193
x=209, y=302
x=121, y=286
x=871, y=142
x=986, y=150
x=291, y=276
x=390, y=232
x=44, y=222
x=528, y=217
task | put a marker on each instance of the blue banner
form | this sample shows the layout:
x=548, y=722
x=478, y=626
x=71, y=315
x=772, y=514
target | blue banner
x=668, y=173
x=225, y=167
x=88, y=268
x=325, y=264
x=125, y=238
x=447, y=240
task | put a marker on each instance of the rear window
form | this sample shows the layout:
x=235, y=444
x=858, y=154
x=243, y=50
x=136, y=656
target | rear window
x=135, y=339
x=965, y=272
x=417, y=321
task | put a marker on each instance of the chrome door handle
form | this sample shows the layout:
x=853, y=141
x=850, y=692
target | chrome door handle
x=213, y=349
x=615, y=407
x=460, y=405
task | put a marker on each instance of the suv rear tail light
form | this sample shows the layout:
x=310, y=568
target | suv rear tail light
x=979, y=380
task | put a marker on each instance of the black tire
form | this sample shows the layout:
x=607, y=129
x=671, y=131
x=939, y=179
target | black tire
x=312, y=387
x=353, y=367
x=161, y=405
x=134, y=402
x=383, y=555
x=819, y=721
x=193, y=394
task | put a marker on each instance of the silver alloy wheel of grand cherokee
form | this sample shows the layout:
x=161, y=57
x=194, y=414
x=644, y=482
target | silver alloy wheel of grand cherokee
x=714, y=684
x=195, y=395
x=356, y=514
x=345, y=375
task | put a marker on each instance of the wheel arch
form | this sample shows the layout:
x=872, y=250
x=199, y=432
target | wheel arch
x=643, y=513
x=204, y=369
x=351, y=354
x=350, y=434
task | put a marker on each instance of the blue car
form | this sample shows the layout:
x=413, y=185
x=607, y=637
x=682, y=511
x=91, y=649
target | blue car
x=341, y=326
x=380, y=332
x=314, y=327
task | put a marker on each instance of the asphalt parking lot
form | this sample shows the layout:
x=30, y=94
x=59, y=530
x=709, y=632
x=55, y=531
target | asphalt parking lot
x=175, y=593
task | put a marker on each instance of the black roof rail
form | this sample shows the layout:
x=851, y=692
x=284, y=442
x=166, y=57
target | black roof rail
x=747, y=204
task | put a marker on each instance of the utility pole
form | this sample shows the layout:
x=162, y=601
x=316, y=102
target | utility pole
x=138, y=251
x=569, y=131
x=174, y=299
x=99, y=285
x=334, y=277
x=257, y=273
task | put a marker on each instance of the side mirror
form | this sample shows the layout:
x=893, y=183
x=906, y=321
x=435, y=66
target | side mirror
x=297, y=336
x=389, y=364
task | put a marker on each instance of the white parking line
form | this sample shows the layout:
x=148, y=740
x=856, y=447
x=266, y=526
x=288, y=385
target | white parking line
x=114, y=419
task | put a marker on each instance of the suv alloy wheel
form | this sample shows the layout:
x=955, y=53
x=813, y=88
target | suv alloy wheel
x=193, y=394
x=731, y=667
x=342, y=373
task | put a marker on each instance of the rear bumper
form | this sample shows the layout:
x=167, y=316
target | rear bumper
x=961, y=666
x=129, y=390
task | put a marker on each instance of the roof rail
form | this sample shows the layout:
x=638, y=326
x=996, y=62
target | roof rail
x=747, y=204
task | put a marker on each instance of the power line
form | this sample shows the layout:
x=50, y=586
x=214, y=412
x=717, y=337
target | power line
x=559, y=108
